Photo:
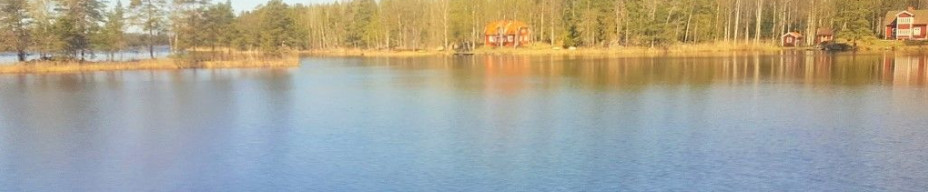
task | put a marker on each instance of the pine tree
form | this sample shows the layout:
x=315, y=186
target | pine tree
x=187, y=23
x=218, y=25
x=15, y=22
x=361, y=14
x=853, y=16
x=149, y=15
x=572, y=31
x=79, y=20
x=43, y=38
x=276, y=29
x=461, y=20
x=247, y=33
x=112, y=37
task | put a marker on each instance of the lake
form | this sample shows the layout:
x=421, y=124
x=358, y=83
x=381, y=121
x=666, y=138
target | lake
x=788, y=121
x=133, y=54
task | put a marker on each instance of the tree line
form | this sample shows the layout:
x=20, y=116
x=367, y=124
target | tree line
x=421, y=24
x=75, y=29
x=79, y=29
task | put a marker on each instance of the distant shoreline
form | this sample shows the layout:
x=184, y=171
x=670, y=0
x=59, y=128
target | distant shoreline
x=676, y=50
x=292, y=60
x=58, y=67
x=551, y=50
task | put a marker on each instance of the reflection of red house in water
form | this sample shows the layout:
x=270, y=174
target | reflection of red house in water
x=909, y=24
x=507, y=33
x=498, y=68
x=906, y=70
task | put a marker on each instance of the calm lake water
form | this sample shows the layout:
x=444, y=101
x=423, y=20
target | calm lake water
x=10, y=58
x=776, y=122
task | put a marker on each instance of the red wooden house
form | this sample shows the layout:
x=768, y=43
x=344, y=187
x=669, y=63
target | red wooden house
x=909, y=24
x=507, y=33
x=791, y=39
x=824, y=35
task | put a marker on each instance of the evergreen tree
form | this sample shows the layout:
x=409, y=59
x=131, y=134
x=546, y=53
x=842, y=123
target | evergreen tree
x=44, y=39
x=149, y=15
x=112, y=37
x=188, y=21
x=15, y=22
x=853, y=16
x=78, y=22
x=247, y=31
x=596, y=21
x=218, y=28
x=661, y=25
x=361, y=16
x=462, y=20
x=277, y=27
x=571, y=18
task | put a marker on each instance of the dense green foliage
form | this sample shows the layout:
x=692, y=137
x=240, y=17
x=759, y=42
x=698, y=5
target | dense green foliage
x=853, y=16
x=418, y=24
x=78, y=22
x=74, y=29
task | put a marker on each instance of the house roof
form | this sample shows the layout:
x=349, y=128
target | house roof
x=824, y=31
x=508, y=27
x=794, y=34
x=921, y=16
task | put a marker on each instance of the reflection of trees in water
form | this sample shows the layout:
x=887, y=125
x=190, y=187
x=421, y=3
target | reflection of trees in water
x=788, y=67
x=511, y=72
x=859, y=69
x=906, y=69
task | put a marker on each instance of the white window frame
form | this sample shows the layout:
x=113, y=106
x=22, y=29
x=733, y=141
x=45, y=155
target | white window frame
x=904, y=32
x=916, y=31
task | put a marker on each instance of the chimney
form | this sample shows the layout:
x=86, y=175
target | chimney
x=910, y=8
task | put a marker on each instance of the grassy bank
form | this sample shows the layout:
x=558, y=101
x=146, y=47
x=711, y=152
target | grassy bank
x=892, y=45
x=546, y=49
x=45, y=67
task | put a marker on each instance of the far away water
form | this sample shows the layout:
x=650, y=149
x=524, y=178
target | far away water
x=138, y=53
x=749, y=122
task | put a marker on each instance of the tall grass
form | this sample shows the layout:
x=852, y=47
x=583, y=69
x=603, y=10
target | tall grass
x=540, y=48
x=235, y=60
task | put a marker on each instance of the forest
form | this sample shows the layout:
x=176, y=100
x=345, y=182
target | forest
x=76, y=29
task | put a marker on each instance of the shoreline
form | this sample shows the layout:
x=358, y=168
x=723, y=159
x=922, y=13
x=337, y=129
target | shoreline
x=537, y=51
x=61, y=67
x=549, y=50
x=292, y=61
x=706, y=49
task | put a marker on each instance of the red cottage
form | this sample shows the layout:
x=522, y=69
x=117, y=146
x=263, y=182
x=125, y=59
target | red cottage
x=791, y=39
x=824, y=35
x=507, y=33
x=909, y=24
